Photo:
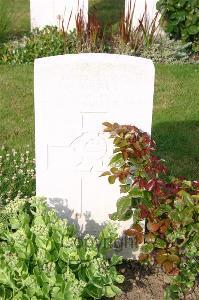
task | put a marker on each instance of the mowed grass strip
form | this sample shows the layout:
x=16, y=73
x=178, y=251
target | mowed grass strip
x=16, y=106
x=19, y=17
x=175, y=116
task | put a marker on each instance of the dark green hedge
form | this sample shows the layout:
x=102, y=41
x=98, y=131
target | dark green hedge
x=180, y=18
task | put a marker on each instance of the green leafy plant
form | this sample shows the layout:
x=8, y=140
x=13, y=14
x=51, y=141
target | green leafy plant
x=169, y=205
x=41, y=256
x=40, y=43
x=180, y=18
x=17, y=175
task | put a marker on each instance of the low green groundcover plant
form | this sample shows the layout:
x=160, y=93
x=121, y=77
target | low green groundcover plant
x=47, y=42
x=169, y=205
x=41, y=256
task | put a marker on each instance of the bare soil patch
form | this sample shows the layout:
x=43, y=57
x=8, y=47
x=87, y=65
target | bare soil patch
x=146, y=283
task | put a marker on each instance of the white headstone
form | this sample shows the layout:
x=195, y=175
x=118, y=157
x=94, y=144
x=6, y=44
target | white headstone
x=139, y=10
x=52, y=12
x=74, y=95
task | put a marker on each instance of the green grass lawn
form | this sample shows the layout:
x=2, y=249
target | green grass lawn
x=18, y=14
x=175, y=117
x=16, y=106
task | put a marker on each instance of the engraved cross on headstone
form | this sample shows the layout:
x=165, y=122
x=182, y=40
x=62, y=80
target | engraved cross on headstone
x=87, y=152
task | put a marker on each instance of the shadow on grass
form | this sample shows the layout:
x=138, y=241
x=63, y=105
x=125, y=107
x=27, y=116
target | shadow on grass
x=178, y=144
x=108, y=11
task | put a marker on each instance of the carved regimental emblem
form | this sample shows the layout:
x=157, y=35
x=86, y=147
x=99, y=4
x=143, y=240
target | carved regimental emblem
x=88, y=151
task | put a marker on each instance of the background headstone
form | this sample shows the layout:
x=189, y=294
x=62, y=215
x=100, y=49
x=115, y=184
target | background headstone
x=140, y=9
x=74, y=95
x=52, y=12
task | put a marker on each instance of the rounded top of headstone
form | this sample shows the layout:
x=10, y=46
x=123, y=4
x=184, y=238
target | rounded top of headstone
x=97, y=58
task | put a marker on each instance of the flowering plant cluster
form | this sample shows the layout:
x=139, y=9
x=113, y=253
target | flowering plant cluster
x=17, y=175
x=169, y=205
x=41, y=256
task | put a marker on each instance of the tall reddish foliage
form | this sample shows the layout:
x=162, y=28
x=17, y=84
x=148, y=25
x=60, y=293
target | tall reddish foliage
x=169, y=205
